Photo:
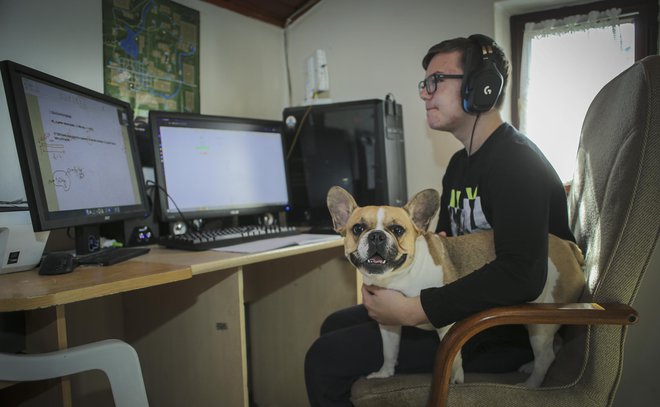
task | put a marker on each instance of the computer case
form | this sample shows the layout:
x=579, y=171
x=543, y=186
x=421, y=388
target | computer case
x=357, y=145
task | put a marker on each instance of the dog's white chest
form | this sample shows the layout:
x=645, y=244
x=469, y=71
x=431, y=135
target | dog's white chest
x=421, y=274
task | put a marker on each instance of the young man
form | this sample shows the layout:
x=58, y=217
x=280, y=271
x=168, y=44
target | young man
x=500, y=181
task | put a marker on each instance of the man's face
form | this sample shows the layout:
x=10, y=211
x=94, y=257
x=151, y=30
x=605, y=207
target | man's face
x=443, y=107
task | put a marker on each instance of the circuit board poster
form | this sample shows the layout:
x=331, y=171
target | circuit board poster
x=151, y=55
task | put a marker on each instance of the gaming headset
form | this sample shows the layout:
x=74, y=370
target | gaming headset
x=482, y=81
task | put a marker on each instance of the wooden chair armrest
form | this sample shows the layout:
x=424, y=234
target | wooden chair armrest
x=564, y=314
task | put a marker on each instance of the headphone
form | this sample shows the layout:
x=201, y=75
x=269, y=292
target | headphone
x=482, y=82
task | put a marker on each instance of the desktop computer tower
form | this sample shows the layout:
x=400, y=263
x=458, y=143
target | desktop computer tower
x=357, y=145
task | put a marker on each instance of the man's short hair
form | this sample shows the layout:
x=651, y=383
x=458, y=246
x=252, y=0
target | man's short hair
x=466, y=47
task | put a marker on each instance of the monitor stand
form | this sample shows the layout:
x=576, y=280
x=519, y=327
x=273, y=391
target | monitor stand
x=89, y=251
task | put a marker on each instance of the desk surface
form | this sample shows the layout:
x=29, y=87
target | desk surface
x=27, y=290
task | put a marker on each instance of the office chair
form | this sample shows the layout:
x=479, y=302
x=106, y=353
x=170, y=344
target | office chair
x=615, y=219
x=117, y=359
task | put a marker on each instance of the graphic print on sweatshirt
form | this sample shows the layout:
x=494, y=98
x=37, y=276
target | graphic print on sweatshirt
x=465, y=212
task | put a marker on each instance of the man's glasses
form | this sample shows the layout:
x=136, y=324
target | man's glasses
x=431, y=81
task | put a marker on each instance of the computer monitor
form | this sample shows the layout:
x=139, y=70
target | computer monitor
x=77, y=153
x=217, y=166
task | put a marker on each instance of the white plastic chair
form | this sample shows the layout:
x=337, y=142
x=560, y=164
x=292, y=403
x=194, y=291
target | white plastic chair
x=117, y=359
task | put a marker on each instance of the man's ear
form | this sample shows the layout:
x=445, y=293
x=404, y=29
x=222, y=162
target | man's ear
x=423, y=207
x=341, y=205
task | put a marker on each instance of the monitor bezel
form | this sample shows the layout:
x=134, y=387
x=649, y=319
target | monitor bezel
x=228, y=123
x=42, y=218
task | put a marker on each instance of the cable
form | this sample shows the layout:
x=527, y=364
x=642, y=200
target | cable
x=286, y=59
x=301, y=10
x=474, y=126
x=469, y=151
x=300, y=126
x=15, y=202
x=152, y=184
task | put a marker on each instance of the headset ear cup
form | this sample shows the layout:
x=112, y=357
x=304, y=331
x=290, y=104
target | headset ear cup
x=482, y=88
x=483, y=82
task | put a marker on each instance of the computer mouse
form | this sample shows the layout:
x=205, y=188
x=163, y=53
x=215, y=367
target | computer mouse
x=57, y=263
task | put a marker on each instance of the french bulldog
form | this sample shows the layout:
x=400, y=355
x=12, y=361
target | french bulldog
x=391, y=248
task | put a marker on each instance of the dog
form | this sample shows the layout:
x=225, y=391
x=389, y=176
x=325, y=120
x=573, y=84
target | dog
x=391, y=248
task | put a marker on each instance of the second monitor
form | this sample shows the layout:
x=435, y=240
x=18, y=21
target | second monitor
x=217, y=166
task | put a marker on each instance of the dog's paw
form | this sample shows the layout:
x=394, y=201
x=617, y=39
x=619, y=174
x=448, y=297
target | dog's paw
x=530, y=383
x=527, y=368
x=381, y=374
x=457, y=377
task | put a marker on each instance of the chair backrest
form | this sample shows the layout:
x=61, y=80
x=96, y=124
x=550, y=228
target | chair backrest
x=616, y=188
x=615, y=219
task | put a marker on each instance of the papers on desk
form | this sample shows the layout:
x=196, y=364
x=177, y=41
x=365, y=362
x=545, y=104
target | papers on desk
x=277, y=243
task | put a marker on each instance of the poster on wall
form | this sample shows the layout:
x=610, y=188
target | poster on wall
x=151, y=55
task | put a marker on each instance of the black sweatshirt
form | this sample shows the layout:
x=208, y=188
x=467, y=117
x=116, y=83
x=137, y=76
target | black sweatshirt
x=510, y=187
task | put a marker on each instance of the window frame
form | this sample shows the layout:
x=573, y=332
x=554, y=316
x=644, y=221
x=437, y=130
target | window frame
x=646, y=34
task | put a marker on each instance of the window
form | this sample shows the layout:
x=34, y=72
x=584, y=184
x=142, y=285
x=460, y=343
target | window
x=563, y=57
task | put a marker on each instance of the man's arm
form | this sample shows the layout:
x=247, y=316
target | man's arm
x=516, y=195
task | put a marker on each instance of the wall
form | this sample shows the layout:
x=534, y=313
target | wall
x=241, y=61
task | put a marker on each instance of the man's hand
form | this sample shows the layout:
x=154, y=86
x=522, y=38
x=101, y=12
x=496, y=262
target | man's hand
x=390, y=307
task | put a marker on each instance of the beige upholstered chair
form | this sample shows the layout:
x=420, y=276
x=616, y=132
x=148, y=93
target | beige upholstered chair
x=615, y=218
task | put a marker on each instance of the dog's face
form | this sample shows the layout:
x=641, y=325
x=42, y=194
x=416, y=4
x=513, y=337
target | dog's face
x=381, y=239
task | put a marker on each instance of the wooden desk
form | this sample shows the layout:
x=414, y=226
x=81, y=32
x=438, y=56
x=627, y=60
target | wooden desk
x=229, y=323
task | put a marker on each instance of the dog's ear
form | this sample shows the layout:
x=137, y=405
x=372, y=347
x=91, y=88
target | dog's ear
x=341, y=204
x=423, y=207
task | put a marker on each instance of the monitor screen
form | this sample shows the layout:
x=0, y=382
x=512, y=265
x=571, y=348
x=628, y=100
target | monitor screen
x=77, y=151
x=216, y=166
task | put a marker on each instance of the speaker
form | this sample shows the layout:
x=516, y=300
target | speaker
x=483, y=82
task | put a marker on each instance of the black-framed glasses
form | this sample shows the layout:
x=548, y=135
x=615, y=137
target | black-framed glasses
x=431, y=81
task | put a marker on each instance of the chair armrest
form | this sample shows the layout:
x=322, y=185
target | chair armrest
x=563, y=314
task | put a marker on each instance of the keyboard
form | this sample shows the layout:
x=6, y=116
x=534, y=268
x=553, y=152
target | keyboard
x=210, y=239
x=110, y=256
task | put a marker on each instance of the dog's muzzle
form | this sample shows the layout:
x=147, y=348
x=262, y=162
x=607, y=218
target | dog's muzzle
x=380, y=254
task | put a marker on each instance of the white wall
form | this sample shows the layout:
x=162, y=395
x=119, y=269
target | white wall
x=241, y=61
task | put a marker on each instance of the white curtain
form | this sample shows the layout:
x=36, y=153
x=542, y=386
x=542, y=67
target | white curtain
x=582, y=22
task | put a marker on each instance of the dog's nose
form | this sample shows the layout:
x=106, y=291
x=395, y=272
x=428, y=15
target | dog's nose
x=377, y=236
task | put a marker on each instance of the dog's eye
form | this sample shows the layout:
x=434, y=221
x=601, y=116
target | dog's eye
x=397, y=230
x=358, y=229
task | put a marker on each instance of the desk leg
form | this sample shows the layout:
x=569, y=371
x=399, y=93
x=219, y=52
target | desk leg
x=46, y=332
